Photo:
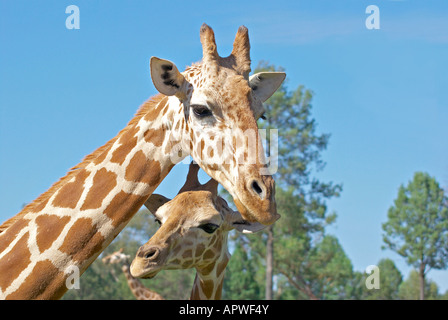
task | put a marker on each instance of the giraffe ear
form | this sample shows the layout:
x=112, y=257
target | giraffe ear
x=264, y=84
x=244, y=226
x=155, y=201
x=166, y=77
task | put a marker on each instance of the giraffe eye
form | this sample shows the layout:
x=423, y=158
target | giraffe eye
x=158, y=221
x=209, y=227
x=201, y=111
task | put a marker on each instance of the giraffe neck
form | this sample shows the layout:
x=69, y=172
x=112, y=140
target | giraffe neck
x=66, y=228
x=209, y=279
x=137, y=288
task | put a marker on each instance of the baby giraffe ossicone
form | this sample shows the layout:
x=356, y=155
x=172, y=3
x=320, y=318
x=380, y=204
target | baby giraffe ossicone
x=193, y=233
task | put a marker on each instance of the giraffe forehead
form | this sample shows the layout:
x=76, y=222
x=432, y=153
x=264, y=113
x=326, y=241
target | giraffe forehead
x=195, y=213
x=226, y=83
x=188, y=206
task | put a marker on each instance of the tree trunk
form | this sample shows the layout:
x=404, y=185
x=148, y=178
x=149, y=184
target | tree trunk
x=421, y=275
x=269, y=263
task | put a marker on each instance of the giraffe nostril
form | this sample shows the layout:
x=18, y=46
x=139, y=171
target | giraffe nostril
x=257, y=189
x=152, y=253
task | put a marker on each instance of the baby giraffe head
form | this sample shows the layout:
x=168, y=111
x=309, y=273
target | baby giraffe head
x=116, y=257
x=193, y=232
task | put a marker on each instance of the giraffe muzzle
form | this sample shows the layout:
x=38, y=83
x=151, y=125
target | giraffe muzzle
x=151, y=254
x=148, y=262
x=257, y=188
x=255, y=199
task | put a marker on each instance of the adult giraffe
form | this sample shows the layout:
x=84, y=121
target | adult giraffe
x=68, y=226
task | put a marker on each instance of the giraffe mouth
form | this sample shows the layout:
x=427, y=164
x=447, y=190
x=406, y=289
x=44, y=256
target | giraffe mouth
x=149, y=275
x=145, y=273
x=141, y=269
x=265, y=218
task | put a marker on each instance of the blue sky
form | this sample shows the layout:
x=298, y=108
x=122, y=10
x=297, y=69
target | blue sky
x=381, y=94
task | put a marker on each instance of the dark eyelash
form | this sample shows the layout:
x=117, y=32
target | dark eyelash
x=158, y=221
x=201, y=111
x=209, y=227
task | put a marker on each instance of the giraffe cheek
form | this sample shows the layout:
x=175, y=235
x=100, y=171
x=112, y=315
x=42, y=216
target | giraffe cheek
x=199, y=251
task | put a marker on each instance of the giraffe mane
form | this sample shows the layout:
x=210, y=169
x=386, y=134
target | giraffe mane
x=44, y=197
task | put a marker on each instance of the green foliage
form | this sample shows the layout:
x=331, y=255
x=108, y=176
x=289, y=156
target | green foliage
x=319, y=272
x=390, y=281
x=311, y=268
x=304, y=266
x=240, y=281
x=417, y=226
x=410, y=288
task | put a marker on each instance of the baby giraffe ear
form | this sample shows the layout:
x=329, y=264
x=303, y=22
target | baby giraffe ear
x=264, y=84
x=166, y=77
x=155, y=201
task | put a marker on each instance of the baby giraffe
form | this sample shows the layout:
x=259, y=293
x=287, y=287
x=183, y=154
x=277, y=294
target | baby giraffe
x=193, y=234
x=137, y=288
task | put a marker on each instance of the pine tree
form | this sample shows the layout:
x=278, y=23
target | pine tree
x=417, y=226
x=240, y=279
x=300, y=198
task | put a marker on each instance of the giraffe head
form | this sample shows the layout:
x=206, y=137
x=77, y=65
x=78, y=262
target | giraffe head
x=116, y=257
x=193, y=232
x=221, y=104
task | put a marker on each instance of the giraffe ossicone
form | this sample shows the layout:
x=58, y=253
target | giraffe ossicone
x=193, y=234
x=200, y=111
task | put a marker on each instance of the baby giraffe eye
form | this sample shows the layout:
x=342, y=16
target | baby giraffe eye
x=201, y=111
x=209, y=227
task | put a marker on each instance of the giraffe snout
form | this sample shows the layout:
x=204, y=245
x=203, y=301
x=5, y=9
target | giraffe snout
x=148, y=261
x=150, y=253
x=258, y=188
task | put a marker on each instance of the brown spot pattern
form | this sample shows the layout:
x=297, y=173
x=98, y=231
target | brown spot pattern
x=82, y=240
x=10, y=234
x=69, y=194
x=49, y=228
x=123, y=206
x=103, y=182
x=140, y=169
x=13, y=263
x=128, y=142
x=156, y=136
x=153, y=113
x=48, y=282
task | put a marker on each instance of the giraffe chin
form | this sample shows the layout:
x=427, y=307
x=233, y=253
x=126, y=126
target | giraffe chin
x=139, y=271
x=264, y=218
x=149, y=275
